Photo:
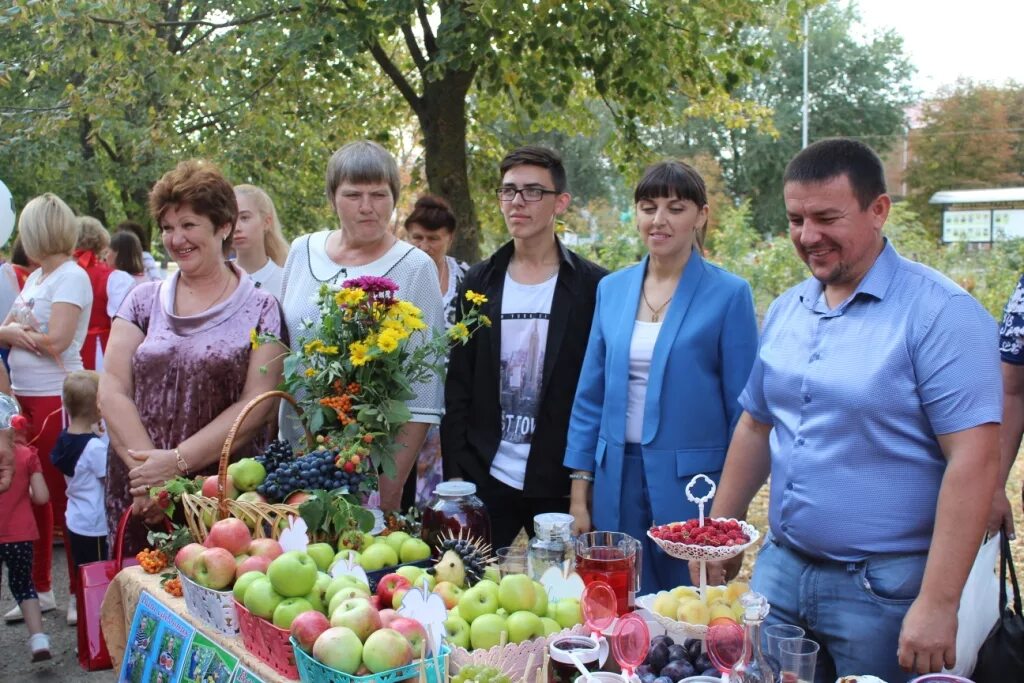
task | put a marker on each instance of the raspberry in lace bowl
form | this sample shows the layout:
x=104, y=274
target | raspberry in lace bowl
x=717, y=539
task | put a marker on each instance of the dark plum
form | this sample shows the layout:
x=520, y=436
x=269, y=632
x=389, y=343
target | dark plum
x=647, y=677
x=677, y=653
x=643, y=669
x=662, y=639
x=678, y=670
x=712, y=672
x=663, y=679
x=657, y=657
x=702, y=663
x=694, y=648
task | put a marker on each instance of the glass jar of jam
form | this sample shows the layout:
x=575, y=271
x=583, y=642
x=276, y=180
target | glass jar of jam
x=454, y=507
x=561, y=668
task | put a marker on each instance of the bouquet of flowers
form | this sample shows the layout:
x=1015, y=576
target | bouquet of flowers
x=353, y=372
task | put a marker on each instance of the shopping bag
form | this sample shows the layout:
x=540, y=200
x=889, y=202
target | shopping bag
x=1001, y=658
x=93, y=580
x=979, y=608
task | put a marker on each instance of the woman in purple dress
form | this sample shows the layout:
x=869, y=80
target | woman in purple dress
x=180, y=363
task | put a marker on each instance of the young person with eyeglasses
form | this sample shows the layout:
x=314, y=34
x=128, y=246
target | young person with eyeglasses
x=509, y=391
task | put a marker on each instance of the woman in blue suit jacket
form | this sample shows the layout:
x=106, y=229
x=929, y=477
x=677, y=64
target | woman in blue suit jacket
x=671, y=345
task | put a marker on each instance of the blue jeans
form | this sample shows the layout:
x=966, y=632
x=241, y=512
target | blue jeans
x=853, y=610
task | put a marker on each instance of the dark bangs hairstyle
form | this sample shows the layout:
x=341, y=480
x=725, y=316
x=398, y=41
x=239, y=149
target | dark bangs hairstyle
x=674, y=180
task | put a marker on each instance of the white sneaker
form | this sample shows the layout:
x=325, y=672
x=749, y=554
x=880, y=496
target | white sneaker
x=39, y=644
x=72, y=617
x=47, y=603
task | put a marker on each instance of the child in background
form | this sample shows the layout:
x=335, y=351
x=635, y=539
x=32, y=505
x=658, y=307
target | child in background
x=18, y=525
x=81, y=455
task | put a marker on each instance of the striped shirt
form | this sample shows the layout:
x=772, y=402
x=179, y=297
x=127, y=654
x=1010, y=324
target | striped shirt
x=857, y=395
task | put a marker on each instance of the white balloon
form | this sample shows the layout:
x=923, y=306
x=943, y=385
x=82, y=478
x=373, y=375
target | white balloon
x=7, y=214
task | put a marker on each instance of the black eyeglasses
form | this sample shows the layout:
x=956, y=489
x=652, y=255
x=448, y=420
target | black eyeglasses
x=530, y=194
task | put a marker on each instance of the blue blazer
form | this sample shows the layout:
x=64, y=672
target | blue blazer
x=701, y=362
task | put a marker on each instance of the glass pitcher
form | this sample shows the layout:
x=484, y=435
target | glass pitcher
x=612, y=557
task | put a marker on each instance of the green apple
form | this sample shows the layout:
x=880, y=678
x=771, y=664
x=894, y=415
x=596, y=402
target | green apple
x=247, y=474
x=243, y=582
x=395, y=539
x=339, y=648
x=316, y=596
x=346, y=594
x=517, y=592
x=457, y=630
x=293, y=574
x=414, y=550
x=454, y=612
x=485, y=632
x=322, y=554
x=416, y=576
x=524, y=625
x=550, y=626
x=346, y=554
x=341, y=582
x=288, y=609
x=378, y=556
x=492, y=573
x=540, y=607
x=261, y=599
x=370, y=539
x=568, y=612
x=479, y=600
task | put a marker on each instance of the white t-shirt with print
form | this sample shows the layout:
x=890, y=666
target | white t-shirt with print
x=525, y=313
x=86, y=511
x=43, y=375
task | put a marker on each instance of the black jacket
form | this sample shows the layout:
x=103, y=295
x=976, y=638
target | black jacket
x=471, y=427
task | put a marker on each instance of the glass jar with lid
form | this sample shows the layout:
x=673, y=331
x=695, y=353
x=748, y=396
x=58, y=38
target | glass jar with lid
x=551, y=544
x=454, y=507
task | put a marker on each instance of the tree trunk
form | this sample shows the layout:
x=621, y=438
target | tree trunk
x=443, y=122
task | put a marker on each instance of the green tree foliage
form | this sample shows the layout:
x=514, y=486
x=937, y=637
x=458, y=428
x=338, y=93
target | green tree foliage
x=972, y=137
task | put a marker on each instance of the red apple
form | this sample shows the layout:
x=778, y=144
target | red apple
x=186, y=558
x=375, y=601
x=231, y=534
x=215, y=568
x=307, y=627
x=449, y=592
x=388, y=584
x=357, y=614
x=387, y=615
x=210, y=487
x=265, y=547
x=411, y=629
x=297, y=498
x=251, y=564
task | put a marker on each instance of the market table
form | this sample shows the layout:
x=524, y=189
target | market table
x=118, y=611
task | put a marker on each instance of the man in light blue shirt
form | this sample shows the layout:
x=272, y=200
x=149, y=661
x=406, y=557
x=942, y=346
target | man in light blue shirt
x=874, y=403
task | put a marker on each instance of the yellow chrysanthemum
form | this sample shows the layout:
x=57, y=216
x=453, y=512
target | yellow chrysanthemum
x=310, y=372
x=387, y=341
x=329, y=350
x=358, y=353
x=350, y=296
x=413, y=324
x=254, y=339
x=475, y=298
x=407, y=309
x=459, y=332
x=315, y=346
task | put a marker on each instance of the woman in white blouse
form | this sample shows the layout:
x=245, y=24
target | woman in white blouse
x=260, y=248
x=363, y=186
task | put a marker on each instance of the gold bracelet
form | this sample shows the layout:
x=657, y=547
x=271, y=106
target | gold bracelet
x=180, y=462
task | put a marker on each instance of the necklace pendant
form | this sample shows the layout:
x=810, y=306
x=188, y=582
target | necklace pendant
x=654, y=318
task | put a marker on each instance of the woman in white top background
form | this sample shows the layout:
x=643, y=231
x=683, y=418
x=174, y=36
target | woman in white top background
x=125, y=254
x=45, y=330
x=670, y=349
x=260, y=248
x=363, y=186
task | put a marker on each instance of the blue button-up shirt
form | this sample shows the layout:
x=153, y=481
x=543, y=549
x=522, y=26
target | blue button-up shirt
x=856, y=396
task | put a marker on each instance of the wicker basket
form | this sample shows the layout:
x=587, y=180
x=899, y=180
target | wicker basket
x=201, y=512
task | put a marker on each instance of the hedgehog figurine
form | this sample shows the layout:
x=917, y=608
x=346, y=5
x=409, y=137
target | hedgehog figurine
x=463, y=559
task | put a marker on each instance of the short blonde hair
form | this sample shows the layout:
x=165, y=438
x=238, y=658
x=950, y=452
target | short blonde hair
x=79, y=393
x=47, y=227
x=273, y=240
x=92, y=236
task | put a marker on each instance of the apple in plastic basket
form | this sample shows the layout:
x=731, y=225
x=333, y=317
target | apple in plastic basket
x=322, y=554
x=388, y=584
x=252, y=564
x=524, y=625
x=357, y=614
x=387, y=615
x=214, y=568
x=210, y=487
x=479, y=600
x=485, y=631
x=185, y=560
x=261, y=599
x=349, y=593
x=378, y=556
x=412, y=630
x=288, y=609
x=231, y=534
x=307, y=627
x=386, y=649
x=457, y=629
x=339, y=648
x=568, y=612
x=242, y=584
x=517, y=592
x=265, y=547
x=449, y=592
x=341, y=582
x=293, y=574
